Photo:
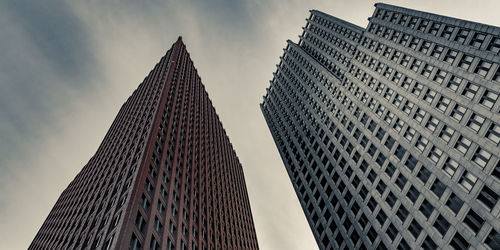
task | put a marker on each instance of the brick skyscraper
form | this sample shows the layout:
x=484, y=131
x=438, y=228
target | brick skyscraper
x=164, y=177
x=390, y=134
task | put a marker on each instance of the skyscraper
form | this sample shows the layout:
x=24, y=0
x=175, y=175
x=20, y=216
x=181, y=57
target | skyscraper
x=164, y=177
x=390, y=134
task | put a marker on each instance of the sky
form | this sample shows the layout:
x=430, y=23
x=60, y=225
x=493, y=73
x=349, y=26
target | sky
x=66, y=67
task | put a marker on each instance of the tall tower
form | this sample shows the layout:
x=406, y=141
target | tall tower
x=164, y=177
x=390, y=134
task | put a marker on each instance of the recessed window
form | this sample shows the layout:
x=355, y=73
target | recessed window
x=440, y=76
x=454, y=203
x=391, y=199
x=477, y=40
x=488, y=197
x=419, y=115
x=426, y=72
x=426, y=208
x=454, y=83
x=438, y=50
x=494, y=133
x=476, y=122
x=465, y=62
x=415, y=228
x=442, y=225
x=408, y=107
x=423, y=25
x=458, y=112
x=447, y=31
x=482, y=68
x=446, y=133
x=399, y=125
x=458, y=242
x=405, y=61
x=493, y=239
x=467, y=181
x=438, y=188
x=416, y=65
x=450, y=167
x=402, y=213
x=424, y=48
x=494, y=45
x=474, y=221
x=489, y=98
x=413, y=194
x=481, y=157
x=429, y=95
x=400, y=152
x=432, y=123
x=496, y=77
x=401, y=181
x=450, y=56
x=443, y=104
x=421, y=143
x=414, y=43
x=392, y=232
x=409, y=133
x=435, y=154
x=461, y=36
x=463, y=144
x=424, y=174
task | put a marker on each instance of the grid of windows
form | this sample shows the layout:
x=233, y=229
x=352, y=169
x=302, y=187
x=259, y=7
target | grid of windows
x=416, y=127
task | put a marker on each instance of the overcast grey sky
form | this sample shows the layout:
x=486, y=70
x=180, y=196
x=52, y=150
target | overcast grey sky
x=66, y=67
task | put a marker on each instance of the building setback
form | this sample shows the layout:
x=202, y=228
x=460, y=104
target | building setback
x=390, y=134
x=164, y=177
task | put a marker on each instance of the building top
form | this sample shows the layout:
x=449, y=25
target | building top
x=495, y=30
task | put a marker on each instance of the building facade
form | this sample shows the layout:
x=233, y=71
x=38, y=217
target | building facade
x=390, y=134
x=164, y=177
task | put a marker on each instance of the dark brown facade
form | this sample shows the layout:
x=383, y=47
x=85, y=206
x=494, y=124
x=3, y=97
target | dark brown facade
x=164, y=177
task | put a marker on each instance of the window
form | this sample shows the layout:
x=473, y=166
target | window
x=381, y=217
x=494, y=45
x=440, y=76
x=470, y=90
x=409, y=133
x=474, y=221
x=446, y=133
x=493, y=239
x=483, y=68
x=401, y=181
x=447, y=31
x=454, y=83
x=416, y=65
x=450, y=167
x=438, y=50
x=423, y=25
x=419, y=115
x=432, y=124
x=390, y=169
x=475, y=122
x=413, y=194
x=481, y=157
x=391, y=199
x=429, y=243
x=450, y=56
x=400, y=152
x=135, y=244
x=392, y=232
x=435, y=154
x=434, y=28
x=458, y=242
x=402, y=213
x=140, y=222
x=399, y=125
x=494, y=133
x=429, y=96
x=389, y=142
x=442, y=225
x=424, y=174
x=488, y=197
x=458, y=112
x=467, y=181
x=424, y=48
x=465, y=62
x=405, y=61
x=415, y=228
x=489, y=98
x=463, y=144
x=417, y=89
x=438, y=188
x=408, y=107
x=461, y=36
x=421, y=143
x=496, y=77
x=454, y=203
x=414, y=43
x=477, y=40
